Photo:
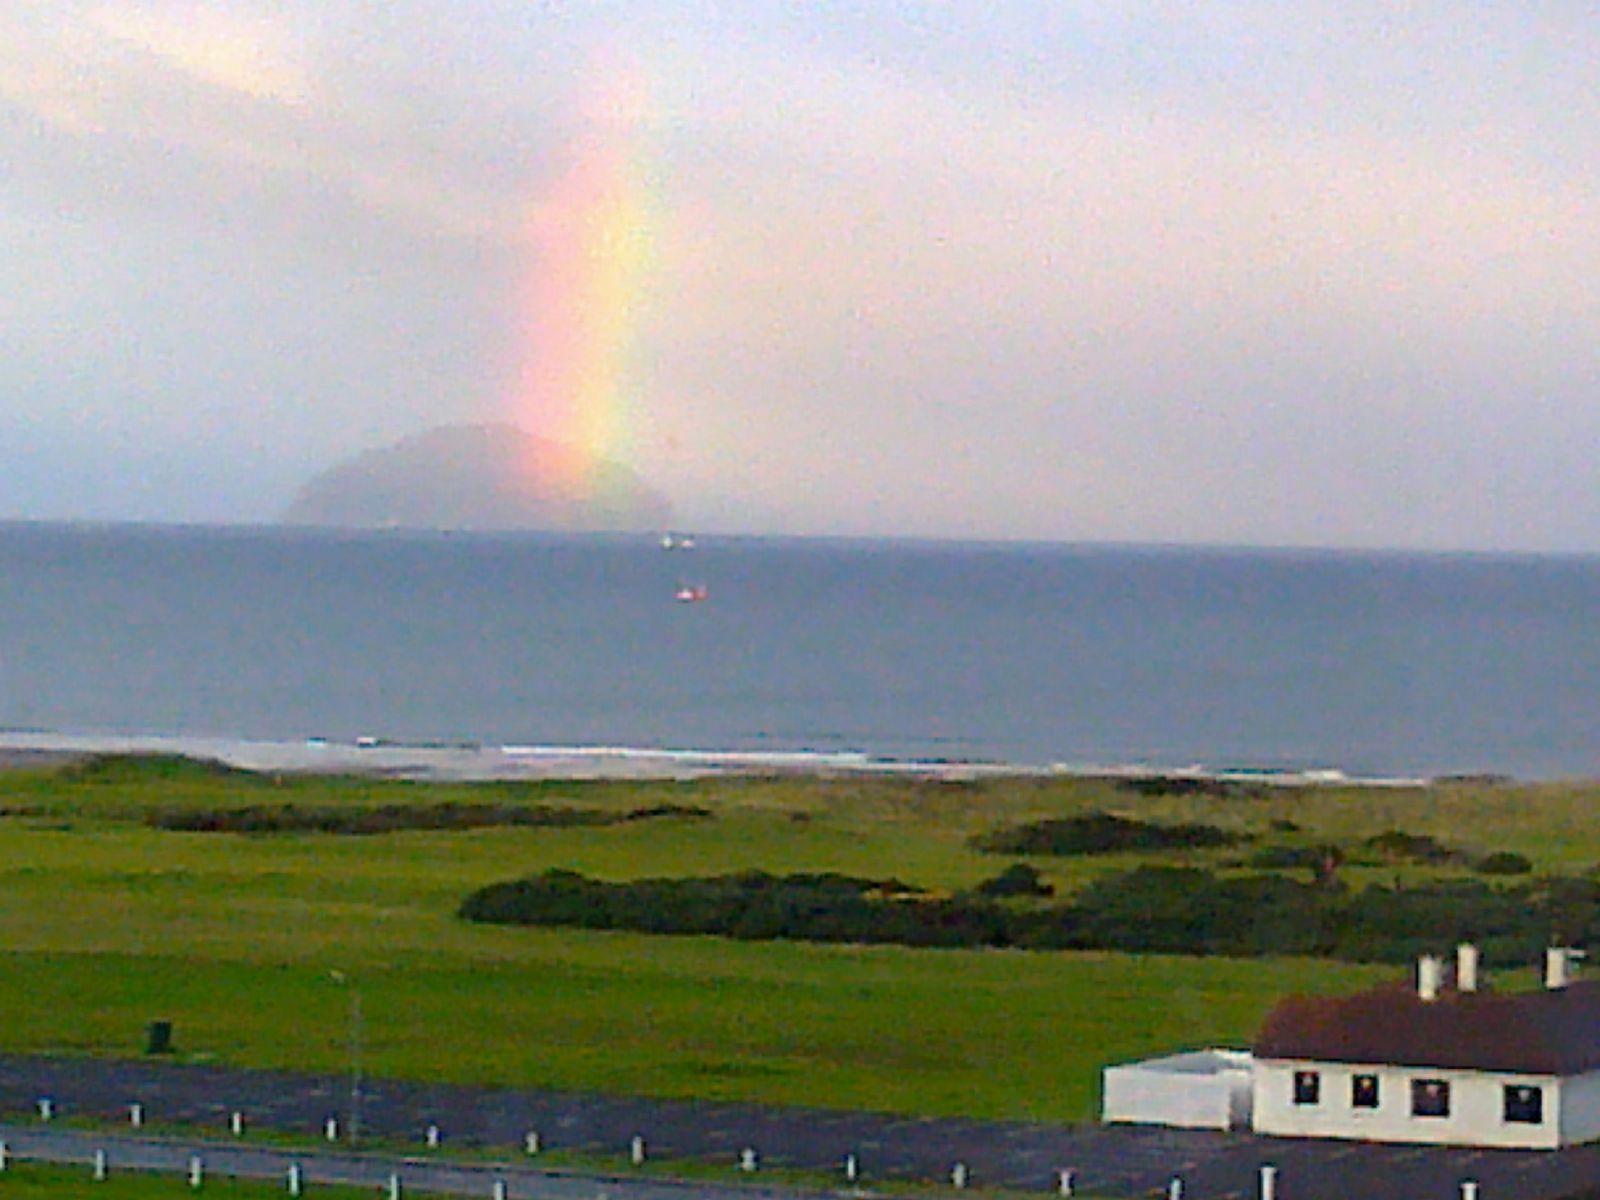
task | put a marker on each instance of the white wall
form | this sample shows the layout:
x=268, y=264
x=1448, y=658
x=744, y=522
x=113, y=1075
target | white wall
x=1477, y=1113
x=1141, y=1095
x=1580, y=1109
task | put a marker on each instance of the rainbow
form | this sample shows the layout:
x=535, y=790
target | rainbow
x=591, y=240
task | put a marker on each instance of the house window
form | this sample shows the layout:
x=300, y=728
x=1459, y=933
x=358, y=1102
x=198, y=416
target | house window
x=1364, y=1091
x=1307, y=1087
x=1430, y=1098
x=1524, y=1104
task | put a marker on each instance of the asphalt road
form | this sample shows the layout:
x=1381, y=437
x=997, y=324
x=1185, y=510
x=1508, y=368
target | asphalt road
x=1119, y=1161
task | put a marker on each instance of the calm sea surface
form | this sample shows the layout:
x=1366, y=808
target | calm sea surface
x=1375, y=664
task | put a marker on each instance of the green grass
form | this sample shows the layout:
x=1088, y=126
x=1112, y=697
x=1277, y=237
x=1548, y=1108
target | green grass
x=106, y=924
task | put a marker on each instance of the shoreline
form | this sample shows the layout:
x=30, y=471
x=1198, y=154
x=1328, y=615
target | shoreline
x=472, y=763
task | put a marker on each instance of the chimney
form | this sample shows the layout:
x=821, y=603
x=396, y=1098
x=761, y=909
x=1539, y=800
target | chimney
x=1559, y=964
x=1430, y=971
x=1466, y=967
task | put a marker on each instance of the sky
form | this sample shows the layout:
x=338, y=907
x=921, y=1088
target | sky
x=1308, y=274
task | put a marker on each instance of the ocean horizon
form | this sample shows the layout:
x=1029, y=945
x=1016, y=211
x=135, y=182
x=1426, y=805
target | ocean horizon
x=792, y=650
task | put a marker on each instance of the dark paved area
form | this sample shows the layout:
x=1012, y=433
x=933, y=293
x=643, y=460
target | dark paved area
x=1107, y=1160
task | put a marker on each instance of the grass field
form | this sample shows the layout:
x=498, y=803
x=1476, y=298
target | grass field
x=106, y=924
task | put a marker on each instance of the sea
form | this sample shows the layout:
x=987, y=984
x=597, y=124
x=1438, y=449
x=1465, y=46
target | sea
x=796, y=652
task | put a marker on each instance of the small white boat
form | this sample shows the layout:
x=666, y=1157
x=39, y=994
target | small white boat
x=691, y=593
x=677, y=541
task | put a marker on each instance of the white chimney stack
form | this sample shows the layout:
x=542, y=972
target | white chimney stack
x=1559, y=964
x=1466, y=967
x=1430, y=973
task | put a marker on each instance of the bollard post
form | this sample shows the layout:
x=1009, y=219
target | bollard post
x=433, y=1137
x=136, y=1115
x=958, y=1175
x=236, y=1124
x=1469, y=1189
x=499, y=1192
x=197, y=1172
x=99, y=1166
x=748, y=1160
x=636, y=1152
x=1064, y=1183
x=1269, y=1182
x=330, y=1129
x=852, y=1169
x=296, y=1185
x=1175, y=1189
x=394, y=1185
x=530, y=1143
x=47, y=1108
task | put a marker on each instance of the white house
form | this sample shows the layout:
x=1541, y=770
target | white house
x=1454, y=1065
x=1203, y=1089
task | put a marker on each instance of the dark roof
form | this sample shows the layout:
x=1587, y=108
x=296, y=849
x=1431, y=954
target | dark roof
x=1551, y=1032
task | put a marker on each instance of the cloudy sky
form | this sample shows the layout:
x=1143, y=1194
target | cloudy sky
x=1305, y=274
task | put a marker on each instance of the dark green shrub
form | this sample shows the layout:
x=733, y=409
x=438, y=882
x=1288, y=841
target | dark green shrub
x=1503, y=862
x=395, y=818
x=1395, y=845
x=1154, y=909
x=1287, y=858
x=1186, y=785
x=1099, y=833
x=1019, y=879
x=691, y=811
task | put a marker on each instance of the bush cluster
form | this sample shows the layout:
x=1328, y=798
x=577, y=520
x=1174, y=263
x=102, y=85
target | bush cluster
x=1391, y=847
x=1187, y=785
x=1099, y=833
x=395, y=818
x=1168, y=910
x=1503, y=862
x=1396, y=845
x=1019, y=879
x=751, y=905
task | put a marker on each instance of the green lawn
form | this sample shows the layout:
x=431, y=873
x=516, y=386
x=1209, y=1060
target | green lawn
x=106, y=924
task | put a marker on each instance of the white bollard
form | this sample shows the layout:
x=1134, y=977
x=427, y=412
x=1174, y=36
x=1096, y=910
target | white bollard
x=136, y=1115
x=433, y=1137
x=1175, y=1189
x=394, y=1186
x=330, y=1130
x=636, y=1152
x=852, y=1169
x=748, y=1160
x=47, y=1108
x=499, y=1192
x=197, y=1172
x=236, y=1124
x=1064, y=1183
x=296, y=1184
x=1469, y=1189
x=99, y=1166
x=530, y=1143
x=958, y=1175
x=1269, y=1182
